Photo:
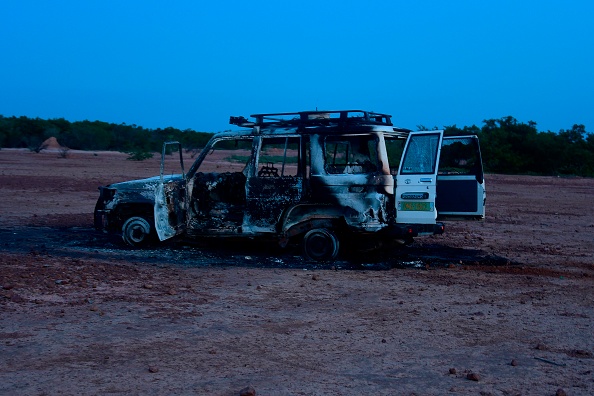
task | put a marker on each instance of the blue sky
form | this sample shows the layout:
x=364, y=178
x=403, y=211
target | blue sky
x=192, y=64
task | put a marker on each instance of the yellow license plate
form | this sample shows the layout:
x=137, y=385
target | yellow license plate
x=416, y=206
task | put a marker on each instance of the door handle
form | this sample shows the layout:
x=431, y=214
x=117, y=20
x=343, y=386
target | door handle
x=425, y=180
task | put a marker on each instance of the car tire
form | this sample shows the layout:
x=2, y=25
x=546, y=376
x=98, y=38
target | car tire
x=137, y=231
x=320, y=244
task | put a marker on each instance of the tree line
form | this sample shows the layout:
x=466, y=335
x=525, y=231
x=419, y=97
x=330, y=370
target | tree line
x=139, y=142
x=507, y=145
x=512, y=147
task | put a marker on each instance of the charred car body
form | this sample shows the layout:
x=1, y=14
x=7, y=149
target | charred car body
x=314, y=177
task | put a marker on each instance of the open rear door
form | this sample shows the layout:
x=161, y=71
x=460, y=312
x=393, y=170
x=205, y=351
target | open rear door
x=416, y=181
x=460, y=180
x=170, y=199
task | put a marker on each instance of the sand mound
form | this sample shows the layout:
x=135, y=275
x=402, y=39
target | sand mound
x=51, y=143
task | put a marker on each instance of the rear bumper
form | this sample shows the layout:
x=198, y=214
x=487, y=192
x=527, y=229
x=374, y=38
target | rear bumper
x=430, y=229
x=414, y=230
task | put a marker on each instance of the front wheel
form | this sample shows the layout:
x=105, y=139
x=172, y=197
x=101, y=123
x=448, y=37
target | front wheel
x=136, y=231
x=320, y=244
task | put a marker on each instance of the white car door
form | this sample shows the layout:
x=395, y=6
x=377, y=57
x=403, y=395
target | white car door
x=417, y=178
x=461, y=191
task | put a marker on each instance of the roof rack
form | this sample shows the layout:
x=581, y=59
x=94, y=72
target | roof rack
x=314, y=118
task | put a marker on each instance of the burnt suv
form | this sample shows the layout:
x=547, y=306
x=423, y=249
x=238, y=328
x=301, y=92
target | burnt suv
x=313, y=177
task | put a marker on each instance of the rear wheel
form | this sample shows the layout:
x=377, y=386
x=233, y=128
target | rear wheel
x=137, y=231
x=320, y=244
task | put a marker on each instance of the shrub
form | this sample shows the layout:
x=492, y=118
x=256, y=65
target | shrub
x=139, y=155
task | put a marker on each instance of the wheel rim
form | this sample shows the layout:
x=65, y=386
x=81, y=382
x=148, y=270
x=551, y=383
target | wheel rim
x=135, y=231
x=320, y=244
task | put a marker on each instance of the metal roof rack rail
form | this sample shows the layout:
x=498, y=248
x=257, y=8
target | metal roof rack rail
x=314, y=118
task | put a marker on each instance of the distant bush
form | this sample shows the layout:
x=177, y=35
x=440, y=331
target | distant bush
x=63, y=152
x=139, y=155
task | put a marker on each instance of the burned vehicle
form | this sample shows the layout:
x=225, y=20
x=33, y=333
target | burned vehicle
x=313, y=177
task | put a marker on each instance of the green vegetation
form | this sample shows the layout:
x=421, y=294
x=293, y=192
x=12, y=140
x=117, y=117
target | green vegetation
x=508, y=146
x=139, y=155
x=139, y=142
x=513, y=147
x=278, y=159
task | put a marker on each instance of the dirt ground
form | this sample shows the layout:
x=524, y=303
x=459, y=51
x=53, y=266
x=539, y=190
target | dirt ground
x=500, y=307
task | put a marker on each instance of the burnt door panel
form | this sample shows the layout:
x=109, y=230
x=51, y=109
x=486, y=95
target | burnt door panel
x=217, y=190
x=275, y=184
x=170, y=199
x=460, y=180
x=267, y=199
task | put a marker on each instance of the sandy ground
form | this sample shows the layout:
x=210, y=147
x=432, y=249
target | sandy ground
x=501, y=307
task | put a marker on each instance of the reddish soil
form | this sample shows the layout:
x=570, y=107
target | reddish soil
x=500, y=307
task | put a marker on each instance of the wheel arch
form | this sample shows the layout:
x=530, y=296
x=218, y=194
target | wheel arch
x=131, y=209
x=300, y=219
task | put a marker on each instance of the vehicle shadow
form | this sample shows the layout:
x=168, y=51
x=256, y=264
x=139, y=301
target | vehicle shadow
x=82, y=242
